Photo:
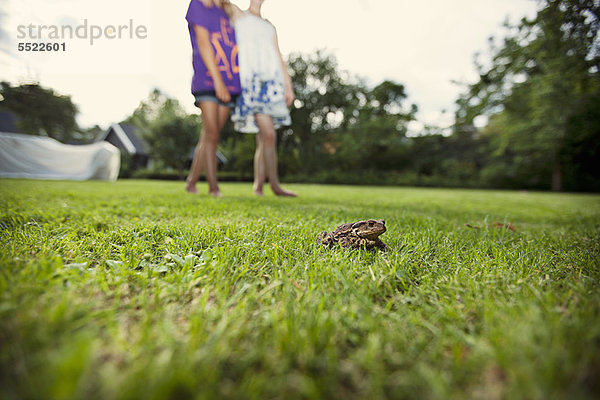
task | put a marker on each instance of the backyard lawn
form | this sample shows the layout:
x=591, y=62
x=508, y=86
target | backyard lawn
x=138, y=290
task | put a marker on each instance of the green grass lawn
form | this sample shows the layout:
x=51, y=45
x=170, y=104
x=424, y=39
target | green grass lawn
x=137, y=290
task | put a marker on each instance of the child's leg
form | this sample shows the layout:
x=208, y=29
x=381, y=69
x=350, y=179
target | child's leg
x=269, y=141
x=216, y=118
x=197, y=167
x=205, y=156
x=259, y=167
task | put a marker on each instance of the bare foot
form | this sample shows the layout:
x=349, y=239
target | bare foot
x=279, y=191
x=257, y=187
x=191, y=188
x=215, y=193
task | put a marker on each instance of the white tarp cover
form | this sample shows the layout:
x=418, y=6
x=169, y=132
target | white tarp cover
x=36, y=157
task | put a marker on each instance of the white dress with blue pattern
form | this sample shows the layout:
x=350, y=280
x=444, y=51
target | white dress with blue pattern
x=261, y=75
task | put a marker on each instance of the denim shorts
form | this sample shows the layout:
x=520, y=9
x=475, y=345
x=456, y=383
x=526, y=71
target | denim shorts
x=210, y=95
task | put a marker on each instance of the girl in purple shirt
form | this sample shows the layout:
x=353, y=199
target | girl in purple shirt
x=215, y=85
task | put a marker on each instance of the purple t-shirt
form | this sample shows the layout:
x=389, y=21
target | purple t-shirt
x=222, y=37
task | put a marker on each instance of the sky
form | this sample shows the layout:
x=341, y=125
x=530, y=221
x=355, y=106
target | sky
x=116, y=52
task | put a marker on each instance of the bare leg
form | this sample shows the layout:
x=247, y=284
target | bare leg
x=222, y=113
x=259, y=167
x=205, y=155
x=269, y=151
x=196, y=168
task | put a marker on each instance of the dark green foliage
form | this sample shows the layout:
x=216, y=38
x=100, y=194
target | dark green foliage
x=40, y=111
x=169, y=131
x=128, y=166
x=341, y=124
x=540, y=92
x=581, y=156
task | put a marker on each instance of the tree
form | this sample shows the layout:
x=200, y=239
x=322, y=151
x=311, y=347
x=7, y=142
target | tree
x=375, y=138
x=540, y=78
x=41, y=111
x=169, y=131
x=325, y=100
x=582, y=145
x=340, y=124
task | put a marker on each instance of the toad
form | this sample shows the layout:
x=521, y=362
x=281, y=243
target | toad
x=361, y=234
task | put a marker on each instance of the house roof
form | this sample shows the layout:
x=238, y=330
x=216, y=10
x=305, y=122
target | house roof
x=126, y=134
x=138, y=142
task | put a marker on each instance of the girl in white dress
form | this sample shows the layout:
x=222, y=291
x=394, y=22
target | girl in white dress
x=267, y=92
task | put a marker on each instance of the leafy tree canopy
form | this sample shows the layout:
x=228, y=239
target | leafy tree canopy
x=169, y=131
x=540, y=78
x=41, y=111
